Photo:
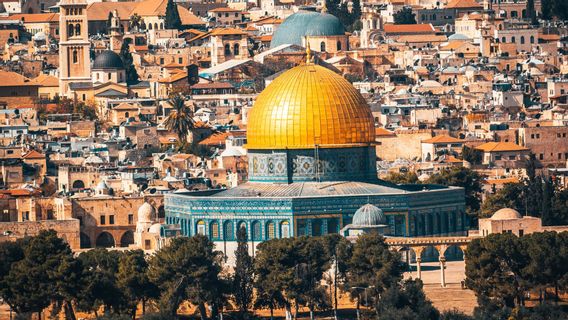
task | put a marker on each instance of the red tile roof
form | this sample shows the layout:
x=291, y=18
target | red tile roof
x=409, y=29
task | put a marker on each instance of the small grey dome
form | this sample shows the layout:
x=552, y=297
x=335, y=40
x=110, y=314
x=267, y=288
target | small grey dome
x=368, y=216
x=108, y=60
x=458, y=36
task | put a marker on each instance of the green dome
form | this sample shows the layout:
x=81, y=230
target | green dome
x=306, y=23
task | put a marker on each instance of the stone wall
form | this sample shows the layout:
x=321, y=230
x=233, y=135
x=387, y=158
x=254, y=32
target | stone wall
x=66, y=229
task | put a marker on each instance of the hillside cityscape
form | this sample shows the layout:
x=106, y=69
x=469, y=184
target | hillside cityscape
x=284, y=159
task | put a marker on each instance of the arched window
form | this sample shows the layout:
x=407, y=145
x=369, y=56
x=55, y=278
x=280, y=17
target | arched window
x=162, y=26
x=228, y=232
x=227, y=49
x=338, y=45
x=70, y=30
x=256, y=231
x=316, y=227
x=78, y=29
x=423, y=17
x=201, y=227
x=322, y=46
x=75, y=56
x=513, y=40
x=150, y=26
x=284, y=229
x=504, y=40
x=156, y=26
x=109, y=76
x=236, y=49
x=214, y=230
x=270, y=230
x=522, y=40
x=434, y=17
x=532, y=39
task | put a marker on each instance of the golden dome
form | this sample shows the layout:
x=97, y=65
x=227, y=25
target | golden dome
x=306, y=106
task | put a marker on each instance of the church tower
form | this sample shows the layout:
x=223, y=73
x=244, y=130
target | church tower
x=74, y=46
x=115, y=33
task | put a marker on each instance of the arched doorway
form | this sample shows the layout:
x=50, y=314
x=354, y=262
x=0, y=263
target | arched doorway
x=161, y=212
x=105, y=240
x=85, y=241
x=78, y=184
x=127, y=239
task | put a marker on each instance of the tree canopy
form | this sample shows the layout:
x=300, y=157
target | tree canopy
x=405, y=16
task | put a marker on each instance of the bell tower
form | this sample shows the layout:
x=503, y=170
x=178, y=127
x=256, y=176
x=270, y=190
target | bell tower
x=115, y=33
x=74, y=45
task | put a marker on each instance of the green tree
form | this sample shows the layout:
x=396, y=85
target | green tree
x=506, y=197
x=454, y=314
x=472, y=155
x=173, y=21
x=132, y=279
x=180, y=119
x=243, y=278
x=270, y=270
x=100, y=287
x=402, y=177
x=373, y=268
x=494, y=268
x=545, y=267
x=46, y=273
x=559, y=210
x=405, y=302
x=128, y=62
x=531, y=13
x=135, y=21
x=338, y=251
x=187, y=269
x=466, y=178
x=405, y=16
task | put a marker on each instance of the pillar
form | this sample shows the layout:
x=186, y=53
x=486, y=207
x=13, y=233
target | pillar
x=442, y=271
x=419, y=267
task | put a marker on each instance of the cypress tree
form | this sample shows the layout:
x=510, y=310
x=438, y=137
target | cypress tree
x=243, y=278
x=127, y=61
x=173, y=21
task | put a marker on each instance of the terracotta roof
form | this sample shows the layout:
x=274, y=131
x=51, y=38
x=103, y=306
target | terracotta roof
x=500, y=146
x=442, y=139
x=449, y=159
x=35, y=17
x=215, y=139
x=457, y=4
x=45, y=80
x=98, y=11
x=266, y=38
x=224, y=9
x=10, y=79
x=227, y=31
x=174, y=78
x=549, y=37
x=408, y=28
x=213, y=85
x=158, y=8
x=383, y=132
x=421, y=38
x=33, y=155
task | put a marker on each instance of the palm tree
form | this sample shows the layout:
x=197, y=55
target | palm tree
x=135, y=21
x=180, y=120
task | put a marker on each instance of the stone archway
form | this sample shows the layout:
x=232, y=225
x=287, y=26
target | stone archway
x=85, y=241
x=127, y=239
x=78, y=184
x=430, y=254
x=454, y=253
x=105, y=240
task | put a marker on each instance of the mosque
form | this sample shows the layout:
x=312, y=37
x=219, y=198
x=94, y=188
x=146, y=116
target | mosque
x=311, y=153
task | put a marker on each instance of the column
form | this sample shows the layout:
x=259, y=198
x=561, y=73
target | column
x=419, y=267
x=443, y=271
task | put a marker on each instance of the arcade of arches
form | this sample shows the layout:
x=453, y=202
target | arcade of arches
x=441, y=248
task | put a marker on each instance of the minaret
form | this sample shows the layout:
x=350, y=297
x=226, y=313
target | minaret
x=74, y=46
x=115, y=34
